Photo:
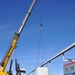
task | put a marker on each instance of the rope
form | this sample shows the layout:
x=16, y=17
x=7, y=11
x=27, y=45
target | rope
x=41, y=46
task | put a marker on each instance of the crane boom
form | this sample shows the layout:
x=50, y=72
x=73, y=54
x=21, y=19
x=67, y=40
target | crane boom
x=26, y=17
x=15, y=40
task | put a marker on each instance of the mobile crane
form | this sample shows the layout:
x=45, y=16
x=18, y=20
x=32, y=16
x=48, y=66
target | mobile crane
x=14, y=42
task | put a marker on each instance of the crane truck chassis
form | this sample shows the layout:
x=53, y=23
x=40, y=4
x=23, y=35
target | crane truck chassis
x=14, y=42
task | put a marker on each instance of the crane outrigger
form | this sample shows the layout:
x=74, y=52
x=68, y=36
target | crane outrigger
x=14, y=42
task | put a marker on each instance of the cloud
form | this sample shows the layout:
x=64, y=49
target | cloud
x=6, y=31
x=5, y=26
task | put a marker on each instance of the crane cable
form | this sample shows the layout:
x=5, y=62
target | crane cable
x=41, y=41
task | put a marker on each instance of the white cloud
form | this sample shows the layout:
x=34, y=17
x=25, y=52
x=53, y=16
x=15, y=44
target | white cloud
x=6, y=31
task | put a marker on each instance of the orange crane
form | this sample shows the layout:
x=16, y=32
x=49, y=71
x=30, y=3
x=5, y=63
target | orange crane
x=14, y=42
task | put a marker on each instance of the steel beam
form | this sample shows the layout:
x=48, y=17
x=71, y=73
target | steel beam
x=57, y=55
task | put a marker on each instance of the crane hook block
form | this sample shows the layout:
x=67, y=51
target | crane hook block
x=40, y=26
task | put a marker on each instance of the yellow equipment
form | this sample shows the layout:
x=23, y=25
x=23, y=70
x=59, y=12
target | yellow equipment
x=14, y=42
